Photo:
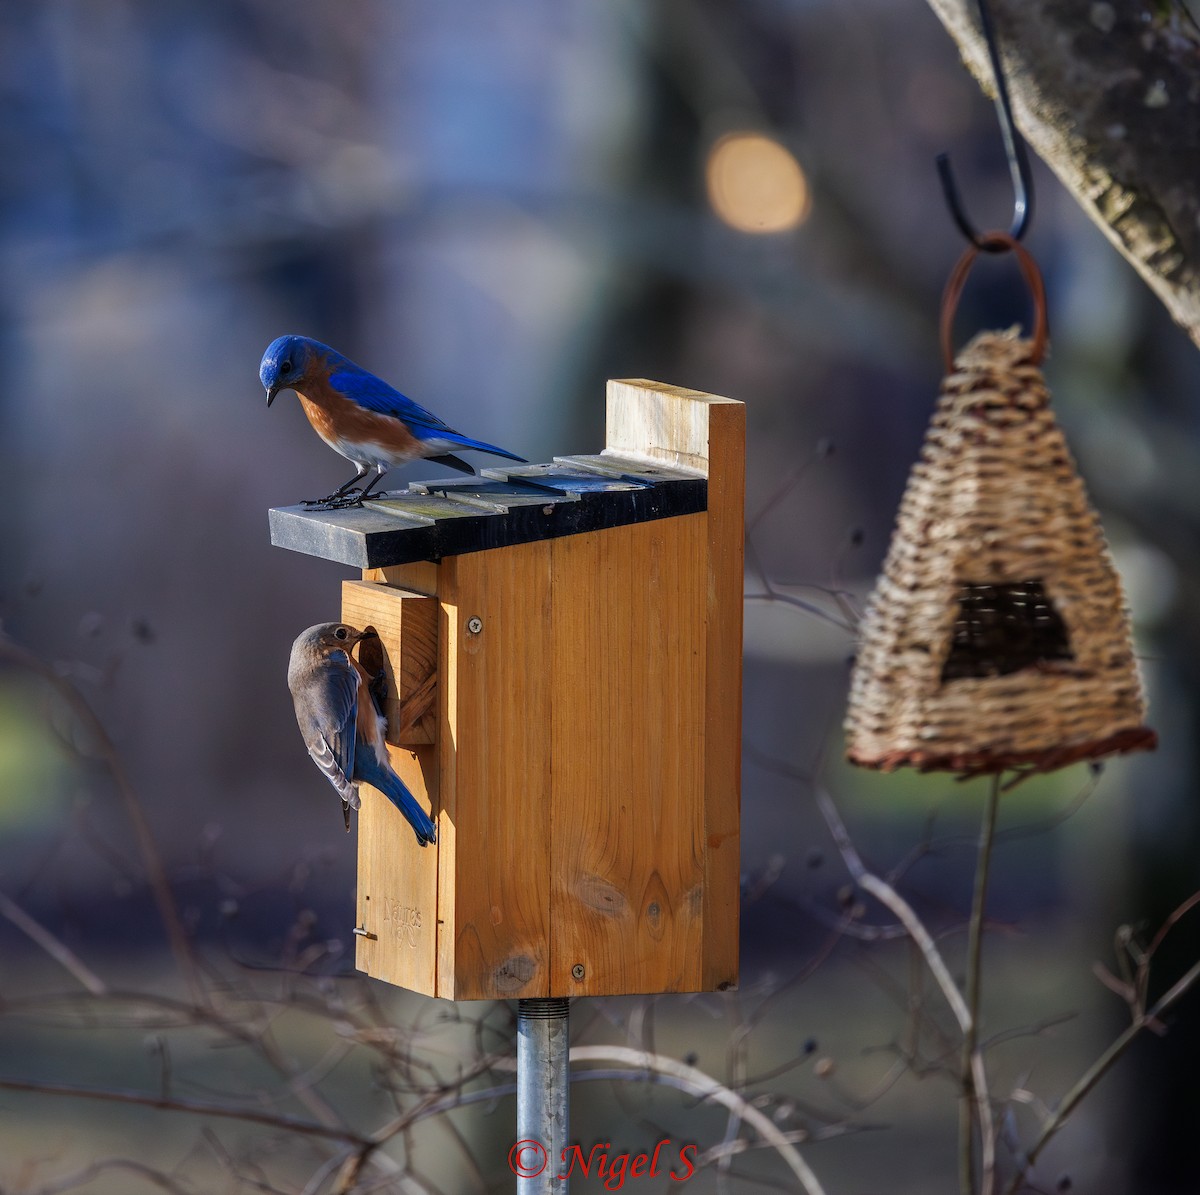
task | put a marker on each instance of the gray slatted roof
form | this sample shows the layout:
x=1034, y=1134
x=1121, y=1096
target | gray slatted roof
x=500, y=507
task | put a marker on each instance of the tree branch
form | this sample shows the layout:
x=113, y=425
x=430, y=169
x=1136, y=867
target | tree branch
x=1097, y=1071
x=275, y=1120
x=906, y=914
x=106, y=752
x=52, y=945
x=987, y=837
x=697, y=1083
x=1112, y=104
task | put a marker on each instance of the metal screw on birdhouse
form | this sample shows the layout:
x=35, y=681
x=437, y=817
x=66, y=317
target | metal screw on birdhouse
x=474, y=625
x=577, y=971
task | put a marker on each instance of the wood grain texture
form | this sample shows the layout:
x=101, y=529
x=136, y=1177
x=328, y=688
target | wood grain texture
x=494, y=736
x=419, y=577
x=397, y=879
x=690, y=429
x=587, y=759
x=723, y=693
x=627, y=814
x=407, y=626
x=654, y=422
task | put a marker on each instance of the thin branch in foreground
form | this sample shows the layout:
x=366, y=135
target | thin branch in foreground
x=1097, y=1071
x=275, y=1120
x=966, y=1144
x=106, y=752
x=697, y=1083
x=84, y=1175
x=53, y=946
x=905, y=913
x=774, y=595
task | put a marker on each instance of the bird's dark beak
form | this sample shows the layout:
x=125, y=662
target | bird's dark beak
x=271, y=392
x=369, y=633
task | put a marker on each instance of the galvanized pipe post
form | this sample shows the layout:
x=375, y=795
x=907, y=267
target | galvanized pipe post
x=543, y=1093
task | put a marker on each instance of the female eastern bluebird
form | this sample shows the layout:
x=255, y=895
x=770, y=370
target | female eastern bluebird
x=342, y=728
x=359, y=415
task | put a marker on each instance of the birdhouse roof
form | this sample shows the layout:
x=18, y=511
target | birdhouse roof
x=499, y=508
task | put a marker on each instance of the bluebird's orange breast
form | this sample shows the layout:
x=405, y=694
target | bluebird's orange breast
x=369, y=725
x=355, y=432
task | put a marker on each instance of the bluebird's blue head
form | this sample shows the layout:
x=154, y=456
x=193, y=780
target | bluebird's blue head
x=285, y=363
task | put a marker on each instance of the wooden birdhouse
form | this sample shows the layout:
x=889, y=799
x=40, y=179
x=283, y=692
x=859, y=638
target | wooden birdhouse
x=997, y=636
x=563, y=655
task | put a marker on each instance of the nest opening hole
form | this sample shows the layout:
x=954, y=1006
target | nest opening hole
x=1001, y=629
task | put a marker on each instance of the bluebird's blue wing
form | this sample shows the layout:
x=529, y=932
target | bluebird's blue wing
x=327, y=719
x=376, y=395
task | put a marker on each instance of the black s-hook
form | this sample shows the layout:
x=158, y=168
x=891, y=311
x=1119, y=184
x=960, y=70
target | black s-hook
x=1014, y=149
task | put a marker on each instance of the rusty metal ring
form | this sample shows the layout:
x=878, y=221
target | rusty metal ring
x=994, y=242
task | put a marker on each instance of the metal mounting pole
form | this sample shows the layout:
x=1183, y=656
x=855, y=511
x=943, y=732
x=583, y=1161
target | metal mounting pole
x=543, y=1092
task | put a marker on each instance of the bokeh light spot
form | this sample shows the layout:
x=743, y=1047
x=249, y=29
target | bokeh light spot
x=756, y=185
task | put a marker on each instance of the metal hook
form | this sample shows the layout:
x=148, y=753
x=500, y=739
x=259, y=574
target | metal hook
x=1014, y=149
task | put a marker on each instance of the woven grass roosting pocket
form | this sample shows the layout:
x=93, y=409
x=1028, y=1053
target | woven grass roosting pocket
x=997, y=636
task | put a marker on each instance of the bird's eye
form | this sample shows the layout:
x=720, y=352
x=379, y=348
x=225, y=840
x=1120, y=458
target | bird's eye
x=340, y=633
x=285, y=367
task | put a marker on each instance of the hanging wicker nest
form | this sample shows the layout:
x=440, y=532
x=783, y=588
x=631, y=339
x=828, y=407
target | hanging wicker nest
x=997, y=636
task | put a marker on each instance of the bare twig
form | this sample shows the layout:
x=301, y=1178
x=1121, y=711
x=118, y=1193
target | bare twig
x=106, y=751
x=774, y=595
x=52, y=945
x=1096, y=1072
x=291, y=1124
x=83, y=1176
x=966, y=1119
x=905, y=913
x=697, y=1083
x=1034, y=1030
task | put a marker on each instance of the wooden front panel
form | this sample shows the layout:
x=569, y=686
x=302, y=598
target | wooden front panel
x=495, y=753
x=407, y=629
x=627, y=815
x=397, y=879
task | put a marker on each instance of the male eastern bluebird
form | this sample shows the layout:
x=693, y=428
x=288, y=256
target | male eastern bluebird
x=359, y=415
x=342, y=728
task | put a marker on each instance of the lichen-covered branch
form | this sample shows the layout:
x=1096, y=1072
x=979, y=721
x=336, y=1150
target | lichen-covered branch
x=1109, y=96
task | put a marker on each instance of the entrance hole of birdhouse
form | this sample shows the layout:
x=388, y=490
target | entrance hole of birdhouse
x=1001, y=629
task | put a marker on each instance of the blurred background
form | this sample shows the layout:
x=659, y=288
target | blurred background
x=497, y=207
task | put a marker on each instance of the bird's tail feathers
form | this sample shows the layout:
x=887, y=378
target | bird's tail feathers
x=452, y=462
x=350, y=800
x=397, y=792
x=461, y=441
